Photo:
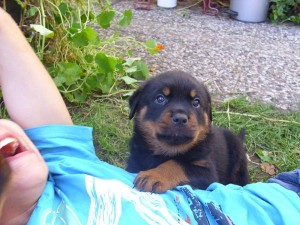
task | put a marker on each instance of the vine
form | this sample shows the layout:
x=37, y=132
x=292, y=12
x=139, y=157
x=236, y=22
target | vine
x=83, y=51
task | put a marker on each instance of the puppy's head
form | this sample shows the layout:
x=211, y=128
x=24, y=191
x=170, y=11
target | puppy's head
x=172, y=111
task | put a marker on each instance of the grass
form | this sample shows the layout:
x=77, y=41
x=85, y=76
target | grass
x=272, y=135
x=112, y=128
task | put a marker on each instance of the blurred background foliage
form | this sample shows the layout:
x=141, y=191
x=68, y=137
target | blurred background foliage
x=79, y=43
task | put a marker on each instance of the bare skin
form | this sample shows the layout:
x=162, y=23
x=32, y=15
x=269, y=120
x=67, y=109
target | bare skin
x=31, y=99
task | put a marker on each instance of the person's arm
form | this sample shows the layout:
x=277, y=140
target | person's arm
x=30, y=95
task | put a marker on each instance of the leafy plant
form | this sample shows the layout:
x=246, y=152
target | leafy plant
x=285, y=10
x=84, y=51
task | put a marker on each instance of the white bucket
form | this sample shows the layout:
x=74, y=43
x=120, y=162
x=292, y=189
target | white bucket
x=250, y=10
x=167, y=3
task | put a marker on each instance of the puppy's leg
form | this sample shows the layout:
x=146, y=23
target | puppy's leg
x=242, y=174
x=201, y=173
x=164, y=177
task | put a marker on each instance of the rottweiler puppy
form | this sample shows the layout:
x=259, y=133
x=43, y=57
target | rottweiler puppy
x=174, y=142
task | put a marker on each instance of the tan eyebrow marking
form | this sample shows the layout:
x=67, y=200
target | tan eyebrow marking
x=193, y=93
x=166, y=91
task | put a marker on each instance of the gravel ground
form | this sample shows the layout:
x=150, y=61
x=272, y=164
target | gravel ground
x=260, y=60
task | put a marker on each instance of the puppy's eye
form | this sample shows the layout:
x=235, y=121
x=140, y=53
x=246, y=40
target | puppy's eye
x=196, y=102
x=160, y=99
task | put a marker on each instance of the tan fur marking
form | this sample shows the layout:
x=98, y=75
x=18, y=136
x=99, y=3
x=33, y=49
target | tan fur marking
x=202, y=130
x=201, y=163
x=193, y=93
x=150, y=129
x=166, y=91
x=166, y=119
x=166, y=176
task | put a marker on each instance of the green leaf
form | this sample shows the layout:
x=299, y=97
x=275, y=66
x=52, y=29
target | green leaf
x=73, y=30
x=89, y=58
x=83, y=18
x=119, y=66
x=105, y=17
x=92, y=82
x=76, y=25
x=80, y=97
x=63, y=8
x=91, y=16
x=70, y=71
x=85, y=37
x=126, y=18
x=130, y=61
x=151, y=44
x=69, y=96
x=131, y=69
x=128, y=80
x=59, y=80
x=130, y=52
x=32, y=11
x=105, y=64
x=264, y=155
x=107, y=81
x=142, y=72
x=42, y=30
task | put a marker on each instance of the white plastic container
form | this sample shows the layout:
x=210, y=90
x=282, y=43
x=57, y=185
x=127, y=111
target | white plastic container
x=250, y=10
x=167, y=3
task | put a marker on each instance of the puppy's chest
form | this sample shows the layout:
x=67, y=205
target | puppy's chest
x=194, y=155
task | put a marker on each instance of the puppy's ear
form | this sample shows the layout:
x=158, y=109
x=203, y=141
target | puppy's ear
x=134, y=102
x=242, y=134
x=208, y=109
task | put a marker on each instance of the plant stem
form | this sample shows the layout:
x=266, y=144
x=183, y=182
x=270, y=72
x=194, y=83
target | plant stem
x=43, y=21
x=114, y=93
x=4, y=5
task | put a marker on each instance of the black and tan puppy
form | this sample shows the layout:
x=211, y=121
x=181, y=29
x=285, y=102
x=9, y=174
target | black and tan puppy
x=174, y=142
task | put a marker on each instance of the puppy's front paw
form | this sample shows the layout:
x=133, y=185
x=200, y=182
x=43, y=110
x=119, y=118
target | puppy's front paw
x=166, y=176
x=152, y=181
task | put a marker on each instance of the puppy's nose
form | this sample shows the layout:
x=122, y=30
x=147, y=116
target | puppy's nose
x=180, y=119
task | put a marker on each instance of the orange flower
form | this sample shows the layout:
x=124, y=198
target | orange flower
x=159, y=47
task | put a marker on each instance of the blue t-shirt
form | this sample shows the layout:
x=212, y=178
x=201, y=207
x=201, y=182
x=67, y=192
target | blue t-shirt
x=81, y=189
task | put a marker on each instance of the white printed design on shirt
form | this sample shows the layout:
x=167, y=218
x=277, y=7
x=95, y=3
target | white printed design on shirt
x=106, y=204
x=63, y=215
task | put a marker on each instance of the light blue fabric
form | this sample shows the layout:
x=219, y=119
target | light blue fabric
x=81, y=189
